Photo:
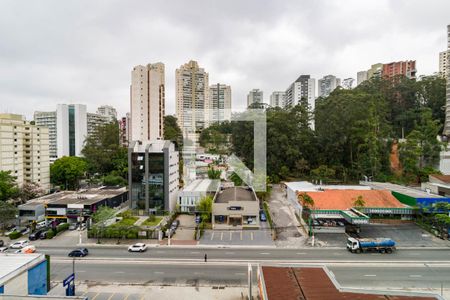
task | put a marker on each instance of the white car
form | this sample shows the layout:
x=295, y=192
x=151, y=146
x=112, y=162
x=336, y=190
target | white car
x=19, y=244
x=3, y=249
x=138, y=247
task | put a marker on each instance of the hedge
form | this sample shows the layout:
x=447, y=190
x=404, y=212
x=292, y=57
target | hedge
x=15, y=235
x=50, y=234
x=61, y=227
x=267, y=213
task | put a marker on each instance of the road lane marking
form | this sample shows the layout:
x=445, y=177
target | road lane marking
x=195, y=252
x=212, y=236
x=251, y=235
x=239, y=274
x=95, y=296
x=265, y=253
x=221, y=235
x=241, y=235
x=158, y=272
x=80, y=271
x=370, y=275
x=415, y=276
x=231, y=235
x=198, y=273
x=300, y=253
x=229, y=252
x=110, y=297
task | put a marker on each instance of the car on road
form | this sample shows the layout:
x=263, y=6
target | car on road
x=2, y=243
x=35, y=235
x=138, y=247
x=84, y=249
x=3, y=249
x=77, y=253
x=19, y=244
x=27, y=249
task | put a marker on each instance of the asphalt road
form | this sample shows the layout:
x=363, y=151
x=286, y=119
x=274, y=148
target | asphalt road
x=256, y=255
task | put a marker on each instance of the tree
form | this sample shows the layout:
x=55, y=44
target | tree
x=213, y=173
x=172, y=132
x=204, y=207
x=236, y=179
x=8, y=187
x=30, y=191
x=114, y=180
x=103, y=214
x=7, y=213
x=323, y=173
x=67, y=171
x=104, y=153
x=359, y=202
x=306, y=200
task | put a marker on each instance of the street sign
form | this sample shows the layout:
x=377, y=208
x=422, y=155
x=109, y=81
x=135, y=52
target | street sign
x=69, y=279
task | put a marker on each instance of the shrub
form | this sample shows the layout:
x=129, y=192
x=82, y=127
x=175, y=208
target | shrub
x=50, y=234
x=62, y=227
x=15, y=235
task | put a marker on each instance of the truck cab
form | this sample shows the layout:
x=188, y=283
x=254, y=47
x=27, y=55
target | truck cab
x=352, y=244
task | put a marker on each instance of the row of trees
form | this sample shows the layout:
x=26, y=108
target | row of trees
x=355, y=131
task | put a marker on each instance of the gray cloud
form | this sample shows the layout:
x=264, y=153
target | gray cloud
x=83, y=51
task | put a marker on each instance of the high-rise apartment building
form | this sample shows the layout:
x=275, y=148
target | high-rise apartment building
x=361, y=76
x=219, y=103
x=68, y=128
x=153, y=176
x=107, y=111
x=444, y=63
x=147, y=102
x=255, y=96
x=95, y=120
x=124, y=130
x=375, y=71
x=24, y=150
x=447, y=106
x=48, y=119
x=327, y=84
x=405, y=68
x=302, y=91
x=347, y=83
x=192, y=95
x=277, y=99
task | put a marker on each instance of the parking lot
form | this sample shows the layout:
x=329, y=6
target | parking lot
x=405, y=235
x=260, y=237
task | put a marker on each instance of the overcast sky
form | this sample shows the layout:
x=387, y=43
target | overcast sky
x=83, y=51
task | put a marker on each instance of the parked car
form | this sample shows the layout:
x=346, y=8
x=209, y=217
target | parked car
x=19, y=244
x=43, y=235
x=175, y=224
x=25, y=230
x=35, y=235
x=262, y=216
x=73, y=226
x=138, y=247
x=27, y=249
x=41, y=225
x=77, y=253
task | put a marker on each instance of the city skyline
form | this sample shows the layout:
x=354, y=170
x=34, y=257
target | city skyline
x=246, y=45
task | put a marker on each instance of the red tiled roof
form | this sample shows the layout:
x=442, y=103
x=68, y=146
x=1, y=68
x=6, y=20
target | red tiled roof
x=344, y=199
x=314, y=284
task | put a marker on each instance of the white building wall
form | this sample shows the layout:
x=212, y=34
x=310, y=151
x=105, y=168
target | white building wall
x=80, y=127
x=62, y=130
x=17, y=285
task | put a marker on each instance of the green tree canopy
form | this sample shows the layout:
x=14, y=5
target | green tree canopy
x=172, y=131
x=8, y=186
x=7, y=214
x=67, y=171
x=204, y=207
x=104, y=153
x=103, y=214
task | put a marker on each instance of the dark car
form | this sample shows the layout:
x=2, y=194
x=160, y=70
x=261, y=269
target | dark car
x=262, y=216
x=84, y=249
x=2, y=243
x=77, y=253
x=198, y=219
x=43, y=235
x=35, y=235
